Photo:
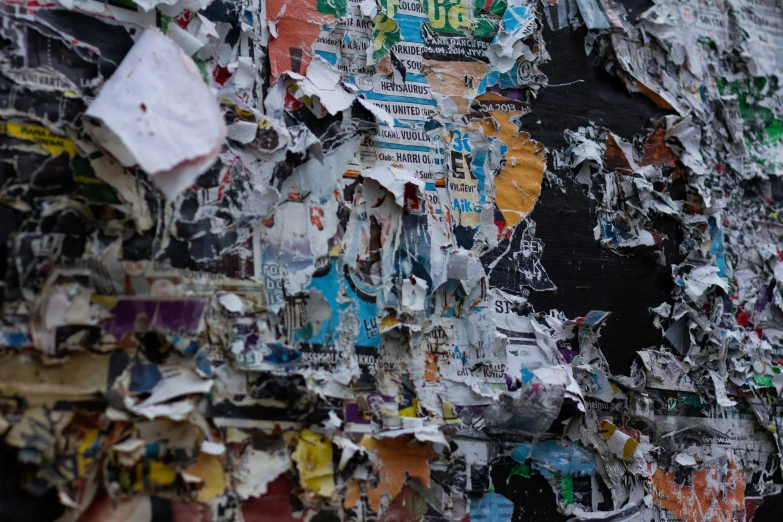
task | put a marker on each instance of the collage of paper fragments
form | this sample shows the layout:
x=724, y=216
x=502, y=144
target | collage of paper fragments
x=251, y=251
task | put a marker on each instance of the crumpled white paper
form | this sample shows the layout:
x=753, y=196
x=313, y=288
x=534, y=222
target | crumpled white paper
x=156, y=112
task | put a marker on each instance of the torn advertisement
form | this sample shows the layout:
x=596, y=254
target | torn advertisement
x=273, y=261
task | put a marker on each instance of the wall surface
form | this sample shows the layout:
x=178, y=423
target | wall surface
x=391, y=260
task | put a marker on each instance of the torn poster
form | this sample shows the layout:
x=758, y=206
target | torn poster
x=273, y=260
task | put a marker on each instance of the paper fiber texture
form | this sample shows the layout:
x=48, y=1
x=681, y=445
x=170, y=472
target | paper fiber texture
x=273, y=261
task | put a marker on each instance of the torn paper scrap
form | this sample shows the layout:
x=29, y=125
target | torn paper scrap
x=144, y=115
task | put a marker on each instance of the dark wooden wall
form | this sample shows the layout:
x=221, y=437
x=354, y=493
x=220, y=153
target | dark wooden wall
x=587, y=276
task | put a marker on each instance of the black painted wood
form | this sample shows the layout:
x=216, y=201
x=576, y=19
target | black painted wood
x=587, y=276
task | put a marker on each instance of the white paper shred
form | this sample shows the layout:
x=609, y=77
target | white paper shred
x=720, y=391
x=257, y=469
x=414, y=291
x=394, y=180
x=156, y=112
x=232, y=302
x=683, y=459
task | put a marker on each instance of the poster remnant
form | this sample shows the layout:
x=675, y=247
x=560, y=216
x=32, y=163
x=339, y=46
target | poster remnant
x=271, y=260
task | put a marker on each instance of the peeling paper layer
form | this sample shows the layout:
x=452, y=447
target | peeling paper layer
x=276, y=261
